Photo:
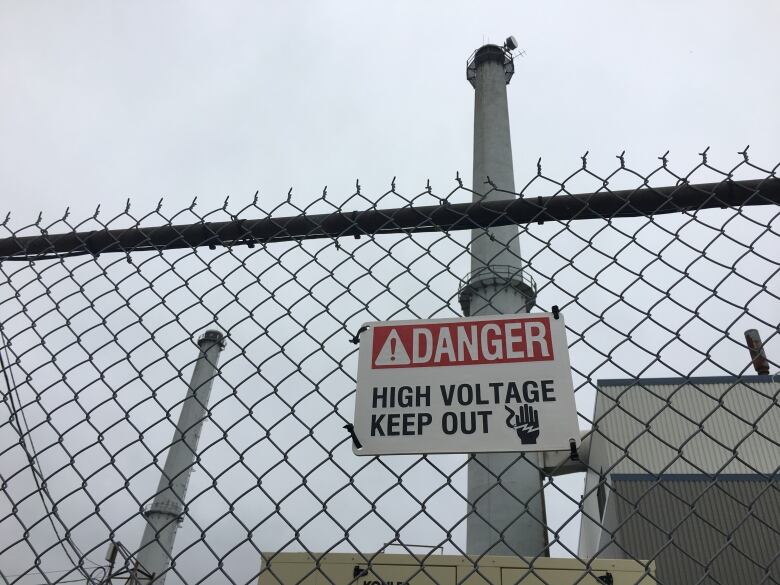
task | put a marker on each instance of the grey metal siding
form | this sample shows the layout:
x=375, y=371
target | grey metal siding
x=690, y=427
x=723, y=427
x=724, y=532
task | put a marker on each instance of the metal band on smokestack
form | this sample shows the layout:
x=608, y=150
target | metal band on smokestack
x=506, y=507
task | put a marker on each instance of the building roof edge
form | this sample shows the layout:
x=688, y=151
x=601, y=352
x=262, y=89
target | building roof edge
x=687, y=380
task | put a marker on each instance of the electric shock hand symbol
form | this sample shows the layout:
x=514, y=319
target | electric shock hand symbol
x=525, y=423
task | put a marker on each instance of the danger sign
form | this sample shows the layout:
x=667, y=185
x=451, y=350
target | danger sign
x=480, y=384
x=462, y=344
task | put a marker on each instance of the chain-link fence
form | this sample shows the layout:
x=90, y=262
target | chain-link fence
x=658, y=275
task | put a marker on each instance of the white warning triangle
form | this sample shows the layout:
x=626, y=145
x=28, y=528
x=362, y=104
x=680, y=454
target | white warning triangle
x=393, y=352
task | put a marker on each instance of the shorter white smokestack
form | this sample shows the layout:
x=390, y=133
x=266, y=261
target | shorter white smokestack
x=165, y=514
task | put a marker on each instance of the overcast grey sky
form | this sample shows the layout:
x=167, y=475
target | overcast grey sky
x=101, y=101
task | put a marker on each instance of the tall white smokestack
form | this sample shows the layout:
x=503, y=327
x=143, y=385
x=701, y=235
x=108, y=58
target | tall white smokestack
x=165, y=514
x=505, y=497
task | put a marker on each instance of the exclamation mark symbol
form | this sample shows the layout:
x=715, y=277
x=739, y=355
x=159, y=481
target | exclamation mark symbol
x=393, y=341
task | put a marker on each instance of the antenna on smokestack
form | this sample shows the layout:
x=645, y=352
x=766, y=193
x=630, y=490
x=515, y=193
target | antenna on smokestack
x=510, y=45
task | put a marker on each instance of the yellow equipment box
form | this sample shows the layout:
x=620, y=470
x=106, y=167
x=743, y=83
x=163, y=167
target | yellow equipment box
x=393, y=569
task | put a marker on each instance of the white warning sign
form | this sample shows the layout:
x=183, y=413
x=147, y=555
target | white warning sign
x=479, y=384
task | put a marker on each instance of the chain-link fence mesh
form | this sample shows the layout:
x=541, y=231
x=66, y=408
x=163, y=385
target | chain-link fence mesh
x=100, y=320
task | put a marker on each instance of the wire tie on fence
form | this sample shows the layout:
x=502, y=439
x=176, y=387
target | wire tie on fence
x=351, y=430
x=207, y=236
x=356, y=338
x=556, y=311
x=249, y=239
x=573, y=455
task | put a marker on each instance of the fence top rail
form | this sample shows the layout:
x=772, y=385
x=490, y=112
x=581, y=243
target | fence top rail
x=646, y=201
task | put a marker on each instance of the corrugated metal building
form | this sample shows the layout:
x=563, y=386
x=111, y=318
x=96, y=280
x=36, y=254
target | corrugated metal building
x=685, y=471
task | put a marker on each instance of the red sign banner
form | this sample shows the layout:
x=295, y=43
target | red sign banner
x=498, y=341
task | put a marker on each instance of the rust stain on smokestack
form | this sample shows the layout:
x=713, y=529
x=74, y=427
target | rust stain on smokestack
x=757, y=353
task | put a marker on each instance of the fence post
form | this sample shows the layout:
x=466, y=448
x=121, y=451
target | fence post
x=506, y=506
x=165, y=514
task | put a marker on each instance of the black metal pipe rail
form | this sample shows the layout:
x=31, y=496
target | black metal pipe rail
x=446, y=217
